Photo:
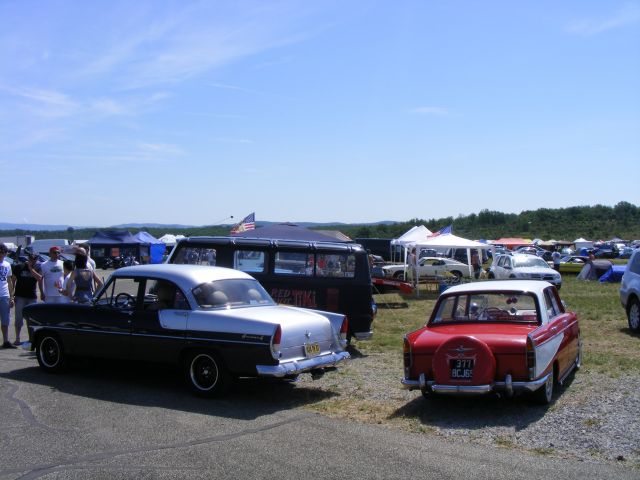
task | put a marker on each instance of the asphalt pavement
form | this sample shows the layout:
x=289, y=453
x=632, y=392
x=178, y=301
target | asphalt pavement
x=114, y=420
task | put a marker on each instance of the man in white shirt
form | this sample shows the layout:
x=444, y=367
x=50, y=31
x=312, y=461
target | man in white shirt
x=6, y=296
x=52, y=278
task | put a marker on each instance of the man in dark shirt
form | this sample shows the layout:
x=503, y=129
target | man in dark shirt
x=25, y=278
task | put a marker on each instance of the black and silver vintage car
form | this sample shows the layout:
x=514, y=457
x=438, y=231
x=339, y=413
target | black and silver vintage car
x=216, y=322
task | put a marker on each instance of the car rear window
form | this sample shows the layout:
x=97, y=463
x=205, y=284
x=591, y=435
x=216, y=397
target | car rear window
x=231, y=293
x=530, y=262
x=487, y=307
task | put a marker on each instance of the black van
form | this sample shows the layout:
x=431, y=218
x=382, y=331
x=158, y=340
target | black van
x=321, y=275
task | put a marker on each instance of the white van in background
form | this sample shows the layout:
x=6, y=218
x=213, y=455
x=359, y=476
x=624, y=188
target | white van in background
x=43, y=245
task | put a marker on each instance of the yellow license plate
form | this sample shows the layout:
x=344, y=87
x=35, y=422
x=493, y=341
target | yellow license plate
x=311, y=349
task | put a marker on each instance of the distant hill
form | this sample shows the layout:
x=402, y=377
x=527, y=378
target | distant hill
x=34, y=227
x=597, y=222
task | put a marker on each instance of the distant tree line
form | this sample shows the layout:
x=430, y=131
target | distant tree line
x=597, y=222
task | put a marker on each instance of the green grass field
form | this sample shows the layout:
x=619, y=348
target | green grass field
x=609, y=346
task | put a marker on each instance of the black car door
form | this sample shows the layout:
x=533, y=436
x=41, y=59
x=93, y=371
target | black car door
x=106, y=331
x=158, y=331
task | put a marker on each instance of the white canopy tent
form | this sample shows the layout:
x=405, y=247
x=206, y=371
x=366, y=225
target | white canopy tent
x=581, y=243
x=170, y=239
x=450, y=241
x=415, y=234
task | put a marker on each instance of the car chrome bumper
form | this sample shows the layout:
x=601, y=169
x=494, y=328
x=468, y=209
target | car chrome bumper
x=295, y=367
x=508, y=386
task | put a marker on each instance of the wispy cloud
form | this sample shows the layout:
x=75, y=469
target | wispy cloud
x=44, y=103
x=436, y=111
x=183, y=43
x=56, y=104
x=233, y=87
x=232, y=140
x=625, y=16
x=161, y=149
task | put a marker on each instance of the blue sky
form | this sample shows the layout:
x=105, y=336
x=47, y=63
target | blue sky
x=189, y=112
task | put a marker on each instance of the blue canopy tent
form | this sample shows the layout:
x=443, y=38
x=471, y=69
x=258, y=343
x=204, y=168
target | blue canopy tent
x=156, y=247
x=114, y=243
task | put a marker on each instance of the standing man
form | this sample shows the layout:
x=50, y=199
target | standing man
x=25, y=278
x=52, y=278
x=412, y=263
x=555, y=256
x=475, y=263
x=6, y=296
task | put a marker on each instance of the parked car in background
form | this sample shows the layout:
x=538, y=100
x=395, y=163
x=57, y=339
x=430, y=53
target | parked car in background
x=606, y=251
x=572, y=263
x=625, y=252
x=430, y=267
x=520, y=266
x=630, y=292
x=216, y=323
x=502, y=336
x=44, y=244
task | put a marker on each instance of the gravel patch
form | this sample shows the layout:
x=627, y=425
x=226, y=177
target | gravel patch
x=593, y=417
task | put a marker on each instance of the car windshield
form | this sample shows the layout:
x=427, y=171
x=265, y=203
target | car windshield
x=487, y=307
x=231, y=293
x=530, y=262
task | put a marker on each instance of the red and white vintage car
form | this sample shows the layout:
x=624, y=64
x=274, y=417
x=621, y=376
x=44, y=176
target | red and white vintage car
x=498, y=336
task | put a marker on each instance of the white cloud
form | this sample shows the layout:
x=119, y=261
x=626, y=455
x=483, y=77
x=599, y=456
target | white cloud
x=437, y=111
x=627, y=15
x=45, y=103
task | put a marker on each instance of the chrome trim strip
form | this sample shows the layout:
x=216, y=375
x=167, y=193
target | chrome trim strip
x=168, y=337
x=220, y=340
x=295, y=367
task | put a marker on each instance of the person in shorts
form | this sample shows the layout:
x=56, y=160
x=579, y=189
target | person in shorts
x=25, y=278
x=52, y=278
x=6, y=296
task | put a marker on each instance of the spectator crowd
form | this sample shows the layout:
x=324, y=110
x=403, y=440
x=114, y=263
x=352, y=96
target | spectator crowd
x=56, y=281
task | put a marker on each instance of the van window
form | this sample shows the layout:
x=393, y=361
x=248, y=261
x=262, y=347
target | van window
x=336, y=266
x=196, y=256
x=294, y=263
x=249, y=261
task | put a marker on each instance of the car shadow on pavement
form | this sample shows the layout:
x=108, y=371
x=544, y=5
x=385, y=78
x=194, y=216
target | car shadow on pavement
x=163, y=386
x=453, y=413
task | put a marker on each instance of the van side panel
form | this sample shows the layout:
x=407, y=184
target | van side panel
x=352, y=296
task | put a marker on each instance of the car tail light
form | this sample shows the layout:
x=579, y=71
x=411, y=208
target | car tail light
x=531, y=358
x=275, y=343
x=406, y=354
x=344, y=328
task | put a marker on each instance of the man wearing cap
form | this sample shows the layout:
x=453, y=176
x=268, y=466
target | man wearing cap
x=6, y=296
x=52, y=277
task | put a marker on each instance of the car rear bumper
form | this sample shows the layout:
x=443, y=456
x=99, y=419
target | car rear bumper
x=507, y=386
x=295, y=367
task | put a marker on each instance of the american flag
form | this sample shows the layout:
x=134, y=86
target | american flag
x=443, y=231
x=246, y=224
